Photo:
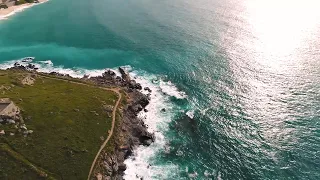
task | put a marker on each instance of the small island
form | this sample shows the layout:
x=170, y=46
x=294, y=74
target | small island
x=53, y=126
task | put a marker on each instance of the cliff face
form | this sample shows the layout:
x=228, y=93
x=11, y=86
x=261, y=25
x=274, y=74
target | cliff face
x=130, y=131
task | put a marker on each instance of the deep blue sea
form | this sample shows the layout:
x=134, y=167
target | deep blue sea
x=239, y=79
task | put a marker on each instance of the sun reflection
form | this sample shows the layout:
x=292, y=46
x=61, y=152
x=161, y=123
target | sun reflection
x=280, y=26
x=277, y=52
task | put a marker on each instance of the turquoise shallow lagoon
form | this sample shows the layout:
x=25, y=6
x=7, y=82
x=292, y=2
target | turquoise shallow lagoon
x=240, y=80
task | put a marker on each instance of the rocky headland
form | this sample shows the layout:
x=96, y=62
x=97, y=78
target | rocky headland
x=130, y=130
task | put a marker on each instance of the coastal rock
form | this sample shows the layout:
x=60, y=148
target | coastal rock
x=147, y=142
x=134, y=85
x=137, y=108
x=111, y=73
x=122, y=167
x=148, y=89
x=11, y=121
x=132, y=131
x=31, y=66
x=85, y=76
x=125, y=76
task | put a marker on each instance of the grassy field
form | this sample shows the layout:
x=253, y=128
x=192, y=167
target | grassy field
x=68, y=121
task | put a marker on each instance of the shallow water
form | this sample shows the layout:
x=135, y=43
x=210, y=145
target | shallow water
x=239, y=80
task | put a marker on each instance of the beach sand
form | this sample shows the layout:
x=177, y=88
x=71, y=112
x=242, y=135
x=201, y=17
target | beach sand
x=5, y=13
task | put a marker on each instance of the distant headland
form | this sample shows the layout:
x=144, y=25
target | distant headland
x=10, y=7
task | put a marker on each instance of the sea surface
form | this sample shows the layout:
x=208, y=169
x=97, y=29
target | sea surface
x=239, y=79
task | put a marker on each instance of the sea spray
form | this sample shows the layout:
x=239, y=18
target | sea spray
x=160, y=113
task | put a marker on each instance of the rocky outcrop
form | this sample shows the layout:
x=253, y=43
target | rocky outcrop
x=131, y=131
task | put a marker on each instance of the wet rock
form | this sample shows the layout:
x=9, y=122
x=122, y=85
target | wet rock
x=137, y=108
x=122, y=167
x=147, y=142
x=134, y=85
x=125, y=76
x=146, y=139
x=111, y=73
x=31, y=66
x=85, y=76
x=148, y=89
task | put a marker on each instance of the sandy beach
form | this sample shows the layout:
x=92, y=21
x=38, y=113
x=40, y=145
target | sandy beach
x=5, y=13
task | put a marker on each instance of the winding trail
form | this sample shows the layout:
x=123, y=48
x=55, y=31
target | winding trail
x=111, y=131
x=116, y=90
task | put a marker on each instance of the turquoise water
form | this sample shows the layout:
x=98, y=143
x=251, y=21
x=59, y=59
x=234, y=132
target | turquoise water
x=240, y=79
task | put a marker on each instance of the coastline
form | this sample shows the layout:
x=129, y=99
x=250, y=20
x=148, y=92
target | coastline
x=5, y=13
x=130, y=131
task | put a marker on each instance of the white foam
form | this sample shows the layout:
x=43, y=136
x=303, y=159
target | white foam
x=48, y=62
x=170, y=89
x=190, y=114
x=157, y=121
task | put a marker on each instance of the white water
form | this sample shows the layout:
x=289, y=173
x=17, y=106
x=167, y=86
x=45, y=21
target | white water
x=143, y=164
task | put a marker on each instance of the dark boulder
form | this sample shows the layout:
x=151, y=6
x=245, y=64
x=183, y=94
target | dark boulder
x=146, y=140
x=30, y=66
x=125, y=76
x=148, y=89
x=122, y=167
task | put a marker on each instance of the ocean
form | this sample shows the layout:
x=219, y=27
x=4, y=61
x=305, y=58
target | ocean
x=235, y=83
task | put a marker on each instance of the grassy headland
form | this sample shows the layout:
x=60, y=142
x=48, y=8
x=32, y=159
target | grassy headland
x=69, y=122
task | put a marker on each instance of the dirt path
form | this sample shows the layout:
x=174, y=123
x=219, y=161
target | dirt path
x=116, y=90
x=110, y=134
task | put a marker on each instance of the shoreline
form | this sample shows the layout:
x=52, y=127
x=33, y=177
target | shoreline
x=5, y=13
x=130, y=131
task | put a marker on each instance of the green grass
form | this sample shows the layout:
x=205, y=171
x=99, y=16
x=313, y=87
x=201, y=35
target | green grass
x=11, y=168
x=64, y=141
x=25, y=165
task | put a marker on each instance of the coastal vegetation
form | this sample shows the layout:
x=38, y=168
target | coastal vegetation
x=69, y=121
x=24, y=1
x=3, y=6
